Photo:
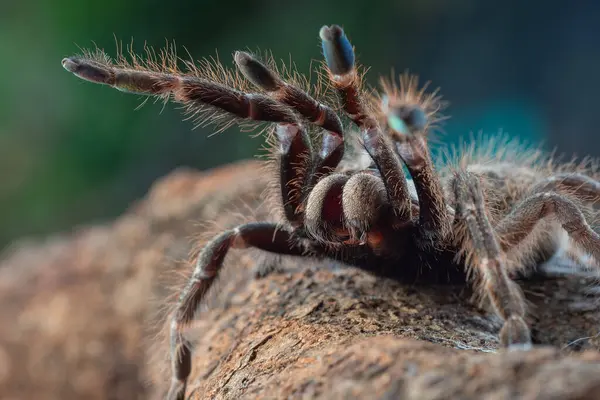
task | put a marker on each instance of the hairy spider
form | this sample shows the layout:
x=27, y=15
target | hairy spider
x=478, y=219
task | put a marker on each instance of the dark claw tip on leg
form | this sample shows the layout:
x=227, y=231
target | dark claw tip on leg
x=337, y=50
x=256, y=72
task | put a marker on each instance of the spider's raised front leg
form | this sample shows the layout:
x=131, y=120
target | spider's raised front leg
x=409, y=114
x=344, y=76
x=434, y=224
x=332, y=149
x=294, y=155
x=487, y=260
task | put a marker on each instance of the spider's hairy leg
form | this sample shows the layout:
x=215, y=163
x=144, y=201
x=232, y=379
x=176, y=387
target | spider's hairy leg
x=578, y=185
x=517, y=225
x=261, y=235
x=344, y=76
x=194, y=92
x=124, y=79
x=332, y=149
x=408, y=114
x=488, y=261
x=198, y=94
x=295, y=157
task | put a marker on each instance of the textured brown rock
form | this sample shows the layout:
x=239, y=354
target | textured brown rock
x=81, y=317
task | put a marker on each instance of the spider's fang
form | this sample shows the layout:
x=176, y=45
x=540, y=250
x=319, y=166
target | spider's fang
x=337, y=50
x=256, y=72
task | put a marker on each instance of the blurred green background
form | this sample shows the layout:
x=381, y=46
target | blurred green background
x=72, y=152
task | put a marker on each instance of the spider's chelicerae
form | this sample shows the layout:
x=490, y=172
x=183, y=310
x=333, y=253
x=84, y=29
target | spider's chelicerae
x=481, y=218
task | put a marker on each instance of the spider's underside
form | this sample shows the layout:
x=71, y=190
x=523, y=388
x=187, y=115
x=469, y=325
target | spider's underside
x=485, y=217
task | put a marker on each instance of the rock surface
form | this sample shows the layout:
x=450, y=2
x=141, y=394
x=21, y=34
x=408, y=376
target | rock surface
x=82, y=316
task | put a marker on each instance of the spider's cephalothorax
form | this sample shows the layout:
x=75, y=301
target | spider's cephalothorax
x=477, y=218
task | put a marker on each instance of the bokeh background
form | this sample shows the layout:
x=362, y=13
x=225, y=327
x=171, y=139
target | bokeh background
x=74, y=153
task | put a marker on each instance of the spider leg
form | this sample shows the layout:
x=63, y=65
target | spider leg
x=408, y=114
x=434, y=221
x=199, y=94
x=517, y=225
x=261, y=235
x=294, y=165
x=196, y=93
x=487, y=259
x=579, y=185
x=332, y=148
x=343, y=74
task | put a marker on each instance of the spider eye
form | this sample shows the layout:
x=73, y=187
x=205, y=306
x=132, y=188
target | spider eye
x=337, y=49
x=256, y=72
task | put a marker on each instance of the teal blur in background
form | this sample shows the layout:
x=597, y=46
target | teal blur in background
x=74, y=153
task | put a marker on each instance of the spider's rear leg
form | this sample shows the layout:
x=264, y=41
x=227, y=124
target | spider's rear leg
x=261, y=235
x=520, y=223
x=582, y=188
x=577, y=185
x=343, y=74
x=486, y=258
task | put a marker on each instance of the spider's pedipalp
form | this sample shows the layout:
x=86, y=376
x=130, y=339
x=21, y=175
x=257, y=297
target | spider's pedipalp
x=363, y=201
x=433, y=219
x=324, y=218
x=265, y=236
x=488, y=262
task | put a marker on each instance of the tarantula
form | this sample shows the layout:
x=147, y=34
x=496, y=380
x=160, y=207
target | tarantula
x=477, y=220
